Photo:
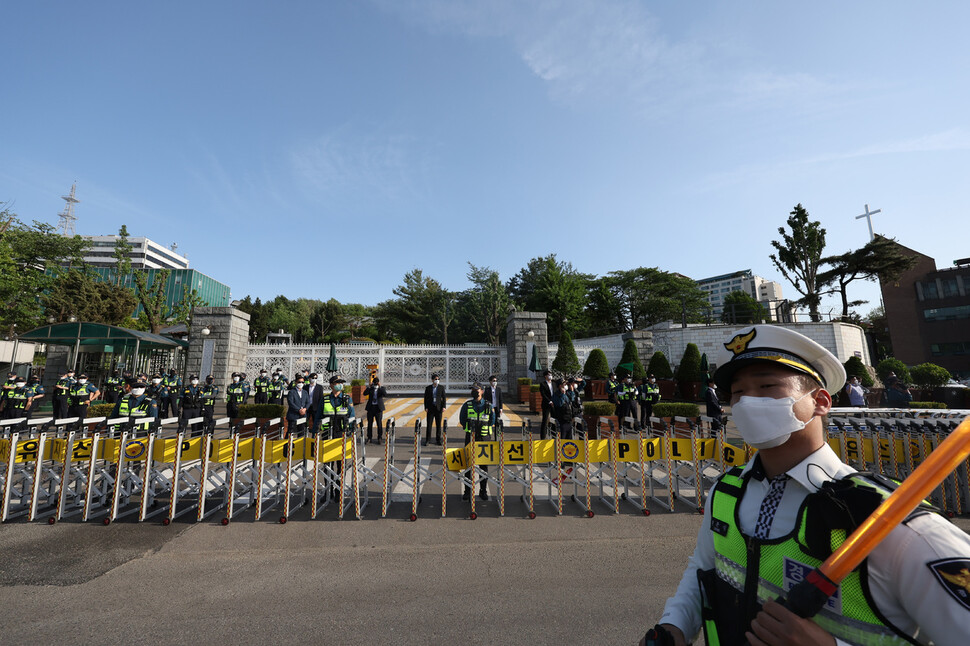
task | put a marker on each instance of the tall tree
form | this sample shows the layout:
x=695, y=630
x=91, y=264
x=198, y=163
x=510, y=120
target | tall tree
x=490, y=302
x=548, y=285
x=422, y=312
x=122, y=255
x=327, y=319
x=647, y=295
x=740, y=307
x=78, y=293
x=799, y=255
x=879, y=258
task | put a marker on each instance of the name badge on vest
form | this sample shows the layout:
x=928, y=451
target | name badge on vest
x=719, y=526
x=795, y=572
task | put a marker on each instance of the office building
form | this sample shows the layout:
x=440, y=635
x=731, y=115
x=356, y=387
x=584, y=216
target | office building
x=766, y=292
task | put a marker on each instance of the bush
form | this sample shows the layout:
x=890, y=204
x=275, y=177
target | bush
x=926, y=405
x=855, y=368
x=534, y=388
x=690, y=365
x=632, y=355
x=669, y=409
x=524, y=381
x=930, y=375
x=100, y=410
x=599, y=408
x=597, y=367
x=659, y=366
x=357, y=382
x=892, y=365
x=263, y=411
x=566, y=363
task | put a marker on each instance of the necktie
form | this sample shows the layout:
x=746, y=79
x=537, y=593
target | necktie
x=769, y=506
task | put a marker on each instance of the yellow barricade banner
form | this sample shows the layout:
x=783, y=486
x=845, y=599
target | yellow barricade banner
x=81, y=450
x=26, y=451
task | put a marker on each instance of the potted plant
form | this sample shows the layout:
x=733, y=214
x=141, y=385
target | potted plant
x=930, y=379
x=659, y=367
x=524, y=384
x=535, y=399
x=667, y=411
x=597, y=368
x=593, y=411
x=357, y=390
x=689, y=373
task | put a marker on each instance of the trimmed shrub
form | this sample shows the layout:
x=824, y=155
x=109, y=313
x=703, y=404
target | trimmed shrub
x=262, y=411
x=659, y=367
x=929, y=375
x=524, y=381
x=892, y=365
x=855, y=368
x=926, y=405
x=690, y=365
x=632, y=355
x=597, y=367
x=534, y=388
x=668, y=409
x=357, y=382
x=566, y=363
x=100, y=409
x=599, y=408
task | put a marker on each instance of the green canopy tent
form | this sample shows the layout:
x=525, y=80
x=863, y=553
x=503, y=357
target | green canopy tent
x=102, y=339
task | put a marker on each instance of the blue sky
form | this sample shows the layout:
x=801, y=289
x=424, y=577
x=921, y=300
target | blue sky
x=323, y=149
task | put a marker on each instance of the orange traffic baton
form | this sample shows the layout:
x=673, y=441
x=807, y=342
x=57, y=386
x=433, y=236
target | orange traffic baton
x=809, y=596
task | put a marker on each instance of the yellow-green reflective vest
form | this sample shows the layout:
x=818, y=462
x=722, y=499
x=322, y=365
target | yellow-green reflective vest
x=472, y=417
x=329, y=409
x=777, y=564
x=125, y=408
x=18, y=398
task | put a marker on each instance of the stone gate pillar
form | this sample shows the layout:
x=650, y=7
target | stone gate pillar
x=223, y=350
x=644, y=342
x=519, y=345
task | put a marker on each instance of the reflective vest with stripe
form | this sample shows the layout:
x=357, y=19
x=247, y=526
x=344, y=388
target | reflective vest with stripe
x=624, y=392
x=261, y=384
x=473, y=417
x=341, y=408
x=767, y=568
x=141, y=409
x=650, y=392
x=79, y=394
x=18, y=398
x=235, y=393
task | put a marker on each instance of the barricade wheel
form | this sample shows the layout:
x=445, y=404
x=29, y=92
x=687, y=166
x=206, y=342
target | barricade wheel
x=622, y=496
x=51, y=520
x=700, y=510
x=532, y=515
x=522, y=498
x=282, y=520
x=106, y=522
x=166, y=521
x=646, y=512
x=225, y=521
x=473, y=516
x=590, y=514
x=949, y=514
x=413, y=517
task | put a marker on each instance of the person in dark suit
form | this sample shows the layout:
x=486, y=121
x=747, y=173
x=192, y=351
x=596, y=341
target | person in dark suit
x=548, y=390
x=297, y=405
x=493, y=395
x=713, y=405
x=375, y=394
x=315, y=391
x=434, y=406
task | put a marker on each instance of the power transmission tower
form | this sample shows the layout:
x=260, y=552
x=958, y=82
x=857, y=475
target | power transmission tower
x=66, y=225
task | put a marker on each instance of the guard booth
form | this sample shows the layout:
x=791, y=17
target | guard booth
x=97, y=349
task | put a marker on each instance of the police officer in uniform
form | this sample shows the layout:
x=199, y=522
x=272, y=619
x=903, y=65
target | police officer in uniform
x=8, y=387
x=274, y=390
x=136, y=403
x=335, y=409
x=477, y=417
x=80, y=397
x=36, y=394
x=626, y=392
x=235, y=396
x=18, y=400
x=261, y=388
x=782, y=514
x=209, y=394
x=112, y=387
x=611, y=386
x=247, y=388
x=192, y=401
x=170, y=396
x=648, y=394
x=61, y=390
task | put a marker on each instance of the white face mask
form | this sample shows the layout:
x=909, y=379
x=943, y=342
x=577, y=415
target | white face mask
x=82, y=381
x=435, y=382
x=338, y=387
x=299, y=386
x=137, y=392
x=21, y=384
x=765, y=422
x=194, y=382
x=235, y=379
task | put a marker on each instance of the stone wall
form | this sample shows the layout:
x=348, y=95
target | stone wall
x=519, y=345
x=227, y=341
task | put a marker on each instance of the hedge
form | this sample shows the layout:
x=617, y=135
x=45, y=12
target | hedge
x=566, y=362
x=100, y=410
x=534, y=388
x=929, y=375
x=892, y=365
x=669, y=409
x=262, y=411
x=926, y=405
x=597, y=367
x=599, y=408
x=659, y=367
x=356, y=382
x=690, y=365
x=524, y=381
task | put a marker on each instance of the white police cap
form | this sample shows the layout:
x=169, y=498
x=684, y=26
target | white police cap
x=771, y=343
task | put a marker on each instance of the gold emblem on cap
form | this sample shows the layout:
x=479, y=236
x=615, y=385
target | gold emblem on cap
x=740, y=342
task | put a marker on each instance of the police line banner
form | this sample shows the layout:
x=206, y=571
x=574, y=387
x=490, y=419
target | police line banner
x=165, y=450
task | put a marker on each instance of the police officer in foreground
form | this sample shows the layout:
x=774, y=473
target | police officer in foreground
x=170, y=396
x=80, y=397
x=626, y=394
x=17, y=401
x=261, y=388
x=335, y=409
x=648, y=394
x=136, y=403
x=191, y=399
x=8, y=387
x=156, y=390
x=274, y=390
x=476, y=417
x=235, y=396
x=772, y=521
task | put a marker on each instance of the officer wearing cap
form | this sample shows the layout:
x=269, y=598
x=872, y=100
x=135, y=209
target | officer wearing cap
x=235, y=395
x=192, y=400
x=112, y=387
x=477, y=419
x=156, y=390
x=8, y=387
x=18, y=400
x=61, y=390
x=210, y=392
x=36, y=394
x=274, y=390
x=778, y=517
x=335, y=409
x=136, y=403
x=261, y=388
x=648, y=394
x=626, y=394
x=80, y=396
x=170, y=396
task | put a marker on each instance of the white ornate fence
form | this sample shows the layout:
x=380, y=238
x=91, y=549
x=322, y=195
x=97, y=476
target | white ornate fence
x=403, y=369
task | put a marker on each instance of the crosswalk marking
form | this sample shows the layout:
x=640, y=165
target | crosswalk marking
x=406, y=409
